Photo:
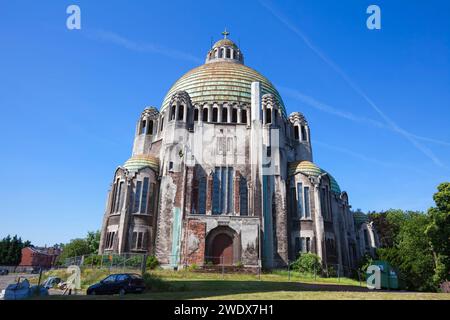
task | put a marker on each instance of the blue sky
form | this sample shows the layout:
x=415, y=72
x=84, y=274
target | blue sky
x=378, y=102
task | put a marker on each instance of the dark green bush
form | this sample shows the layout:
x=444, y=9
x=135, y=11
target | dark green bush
x=152, y=263
x=307, y=263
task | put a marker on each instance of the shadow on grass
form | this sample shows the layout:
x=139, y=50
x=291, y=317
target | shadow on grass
x=199, y=289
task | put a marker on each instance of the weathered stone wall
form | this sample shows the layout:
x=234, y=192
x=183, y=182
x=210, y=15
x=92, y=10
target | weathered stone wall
x=195, y=243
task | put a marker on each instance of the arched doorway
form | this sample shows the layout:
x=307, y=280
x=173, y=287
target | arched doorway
x=222, y=249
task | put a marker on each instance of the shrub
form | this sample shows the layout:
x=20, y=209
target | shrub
x=239, y=265
x=154, y=283
x=307, y=263
x=152, y=262
x=92, y=260
x=192, y=267
x=331, y=272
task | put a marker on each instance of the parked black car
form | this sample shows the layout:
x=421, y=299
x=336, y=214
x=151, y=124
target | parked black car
x=4, y=272
x=121, y=283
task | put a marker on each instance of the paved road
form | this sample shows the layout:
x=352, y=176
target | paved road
x=12, y=278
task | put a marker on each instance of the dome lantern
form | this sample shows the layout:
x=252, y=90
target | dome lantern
x=225, y=50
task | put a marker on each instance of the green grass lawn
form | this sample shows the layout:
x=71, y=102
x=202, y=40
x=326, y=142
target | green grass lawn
x=275, y=285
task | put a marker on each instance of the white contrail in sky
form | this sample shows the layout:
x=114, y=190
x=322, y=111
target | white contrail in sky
x=370, y=159
x=119, y=40
x=295, y=94
x=353, y=85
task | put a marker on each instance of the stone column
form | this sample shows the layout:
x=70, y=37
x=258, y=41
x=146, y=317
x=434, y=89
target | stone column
x=210, y=113
x=177, y=106
x=318, y=219
x=209, y=194
x=123, y=222
x=185, y=113
x=219, y=113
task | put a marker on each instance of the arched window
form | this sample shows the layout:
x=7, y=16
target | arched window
x=296, y=133
x=172, y=113
x=202, y=196
x=195, y=114
x=215, y=114
x=110, y=237
x=180, y=113
x=228, y=53
x=205, y=115
x=268, y=116
x=139, y=240
x=304, y=136
x=244, y=116
x=141, y=197
x=143, y=127
x=150, y=127
x=234, y=115
x=118, y=197
x=224, y=115
x=220, y=53
x=222, y=197
x=243, y=197
x=114, y=196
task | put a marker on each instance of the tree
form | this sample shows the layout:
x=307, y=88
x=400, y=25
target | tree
x=80, y=247
x=386, y=228
x=75, y=248
x=438, y=233
x=93, y=240
x=410, y=251
x=11, y=250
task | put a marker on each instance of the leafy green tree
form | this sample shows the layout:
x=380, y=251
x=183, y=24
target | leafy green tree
x=80, y=247
x=411, y=252
x=75, y=248
x=93, y=240
x=387, y=224
x=438, y=232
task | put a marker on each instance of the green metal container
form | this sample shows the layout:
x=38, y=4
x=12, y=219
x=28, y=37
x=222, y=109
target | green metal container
x=389, y=278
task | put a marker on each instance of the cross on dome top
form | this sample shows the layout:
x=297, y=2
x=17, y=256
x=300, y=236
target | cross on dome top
x=225, y=33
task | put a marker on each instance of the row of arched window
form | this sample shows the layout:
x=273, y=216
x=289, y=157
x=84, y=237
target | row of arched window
x=223, y=193
x=142, y=200
x=300, y=133
x=109, y=241
x=221, y=116
x=224, y=52
x=216, y=114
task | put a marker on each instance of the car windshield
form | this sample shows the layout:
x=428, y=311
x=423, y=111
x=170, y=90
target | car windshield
x=135, y=276
x=122, y=277
x=111, y=278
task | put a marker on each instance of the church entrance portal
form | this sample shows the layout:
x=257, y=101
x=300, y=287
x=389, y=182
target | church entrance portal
x=222, y=249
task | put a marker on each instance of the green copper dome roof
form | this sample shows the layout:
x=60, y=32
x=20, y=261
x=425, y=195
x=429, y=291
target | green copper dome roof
x=138, y=162
x=310, y=169
x=220, y=82
x=360, y=218
x=224, y=42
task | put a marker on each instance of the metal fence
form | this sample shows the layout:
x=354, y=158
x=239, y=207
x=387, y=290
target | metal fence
x=222, y=266
x=118, y=262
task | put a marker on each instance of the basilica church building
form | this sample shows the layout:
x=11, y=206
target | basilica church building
x=221, y=174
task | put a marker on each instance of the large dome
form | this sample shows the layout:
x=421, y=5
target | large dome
x=224, y=80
